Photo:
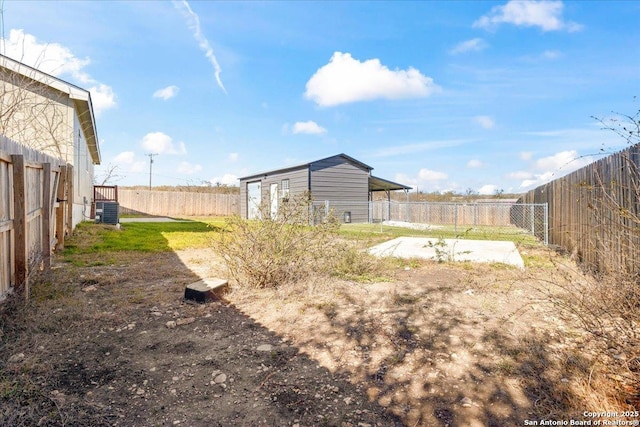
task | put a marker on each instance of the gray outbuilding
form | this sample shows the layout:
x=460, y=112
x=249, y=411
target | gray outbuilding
x=340, y=182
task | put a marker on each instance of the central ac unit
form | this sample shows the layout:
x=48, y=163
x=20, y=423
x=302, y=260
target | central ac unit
x=108, y=212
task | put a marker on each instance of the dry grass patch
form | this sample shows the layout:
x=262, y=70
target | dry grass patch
x=297, y=243
x=442, y=344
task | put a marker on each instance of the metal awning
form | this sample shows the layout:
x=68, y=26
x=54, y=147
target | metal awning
x=379, y=184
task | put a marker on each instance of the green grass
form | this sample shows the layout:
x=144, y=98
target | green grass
x=90, y=238
x=141, y=237
x=377, y=232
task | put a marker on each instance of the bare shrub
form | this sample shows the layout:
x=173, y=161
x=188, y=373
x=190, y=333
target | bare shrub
x=298, y=242
x=606, y=309
x=606, y=300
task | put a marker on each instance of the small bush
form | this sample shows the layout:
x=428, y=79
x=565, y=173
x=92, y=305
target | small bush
x=607, y=308
x=272, y=251
x=351, y=262
x=286, y=248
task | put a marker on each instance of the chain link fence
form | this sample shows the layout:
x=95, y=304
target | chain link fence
x=493, y=218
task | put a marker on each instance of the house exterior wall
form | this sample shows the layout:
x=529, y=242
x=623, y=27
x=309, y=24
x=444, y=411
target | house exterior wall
x=37, y=116
x=43, y=118
x=344, y=184
x=298, y=184
x=82, y=174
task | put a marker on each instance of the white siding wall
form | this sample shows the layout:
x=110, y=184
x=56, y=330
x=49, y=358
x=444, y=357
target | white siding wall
x=46, y=121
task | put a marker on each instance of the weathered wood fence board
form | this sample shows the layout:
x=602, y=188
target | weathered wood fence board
x=177, y=203
x=594, y=212
x=29, y=185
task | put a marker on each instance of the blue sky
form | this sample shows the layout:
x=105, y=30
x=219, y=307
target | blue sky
x=437, y=95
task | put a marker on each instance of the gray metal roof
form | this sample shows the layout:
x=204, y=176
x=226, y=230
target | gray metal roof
x=380, y=184
x=308, y=164
x=375, y=183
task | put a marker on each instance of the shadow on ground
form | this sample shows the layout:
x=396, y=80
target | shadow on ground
x=115, y=344
x=443, y=346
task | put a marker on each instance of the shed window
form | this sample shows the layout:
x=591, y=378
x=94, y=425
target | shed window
x=284, y=189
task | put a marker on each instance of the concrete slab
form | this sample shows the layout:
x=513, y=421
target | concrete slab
x=451, y=250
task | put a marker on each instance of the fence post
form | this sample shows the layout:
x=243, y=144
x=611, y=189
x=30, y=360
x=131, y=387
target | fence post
x=455, y=217
x=60, y=211
x=546, y=224
x=475, y=214
x=20, y=225
x=533, y=219
x=47, y=208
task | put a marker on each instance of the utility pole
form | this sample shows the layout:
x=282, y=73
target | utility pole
x=151, y=166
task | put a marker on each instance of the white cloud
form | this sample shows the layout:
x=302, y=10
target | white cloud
x=51, y=58
x=488, y=189
x=425, y=180
x=405, y=179
x=528, y=13
x=126, y=160
x=310, y=127
x=59, y=61
x=562, y=160
x=187, y=168
x=552, y=167
x=431, y=175
x=475, y=164
x=526, y=155
x=161, y=143
x=486, y=122
x=473, y=45
x=551, y=54
x=102, y=98
x=193, y=22
x=233, y=157
x=125, y=157
x=520, y=175
x=345, y=79
x=167, y=92
x=537, y=180
x=226, y=179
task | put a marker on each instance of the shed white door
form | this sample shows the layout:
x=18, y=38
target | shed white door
x=254, y=191
x=273, y=191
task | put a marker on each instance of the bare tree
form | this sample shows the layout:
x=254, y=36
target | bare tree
x=109, y=176
x=33, y=113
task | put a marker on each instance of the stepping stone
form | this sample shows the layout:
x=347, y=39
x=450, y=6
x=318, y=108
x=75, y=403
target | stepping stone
x=206, y=290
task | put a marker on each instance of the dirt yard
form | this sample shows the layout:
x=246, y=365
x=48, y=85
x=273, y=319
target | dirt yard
x=434, y=345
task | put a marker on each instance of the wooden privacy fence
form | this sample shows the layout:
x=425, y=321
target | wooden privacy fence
x=34, y=215
x=594, y=212
x=177, y=203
